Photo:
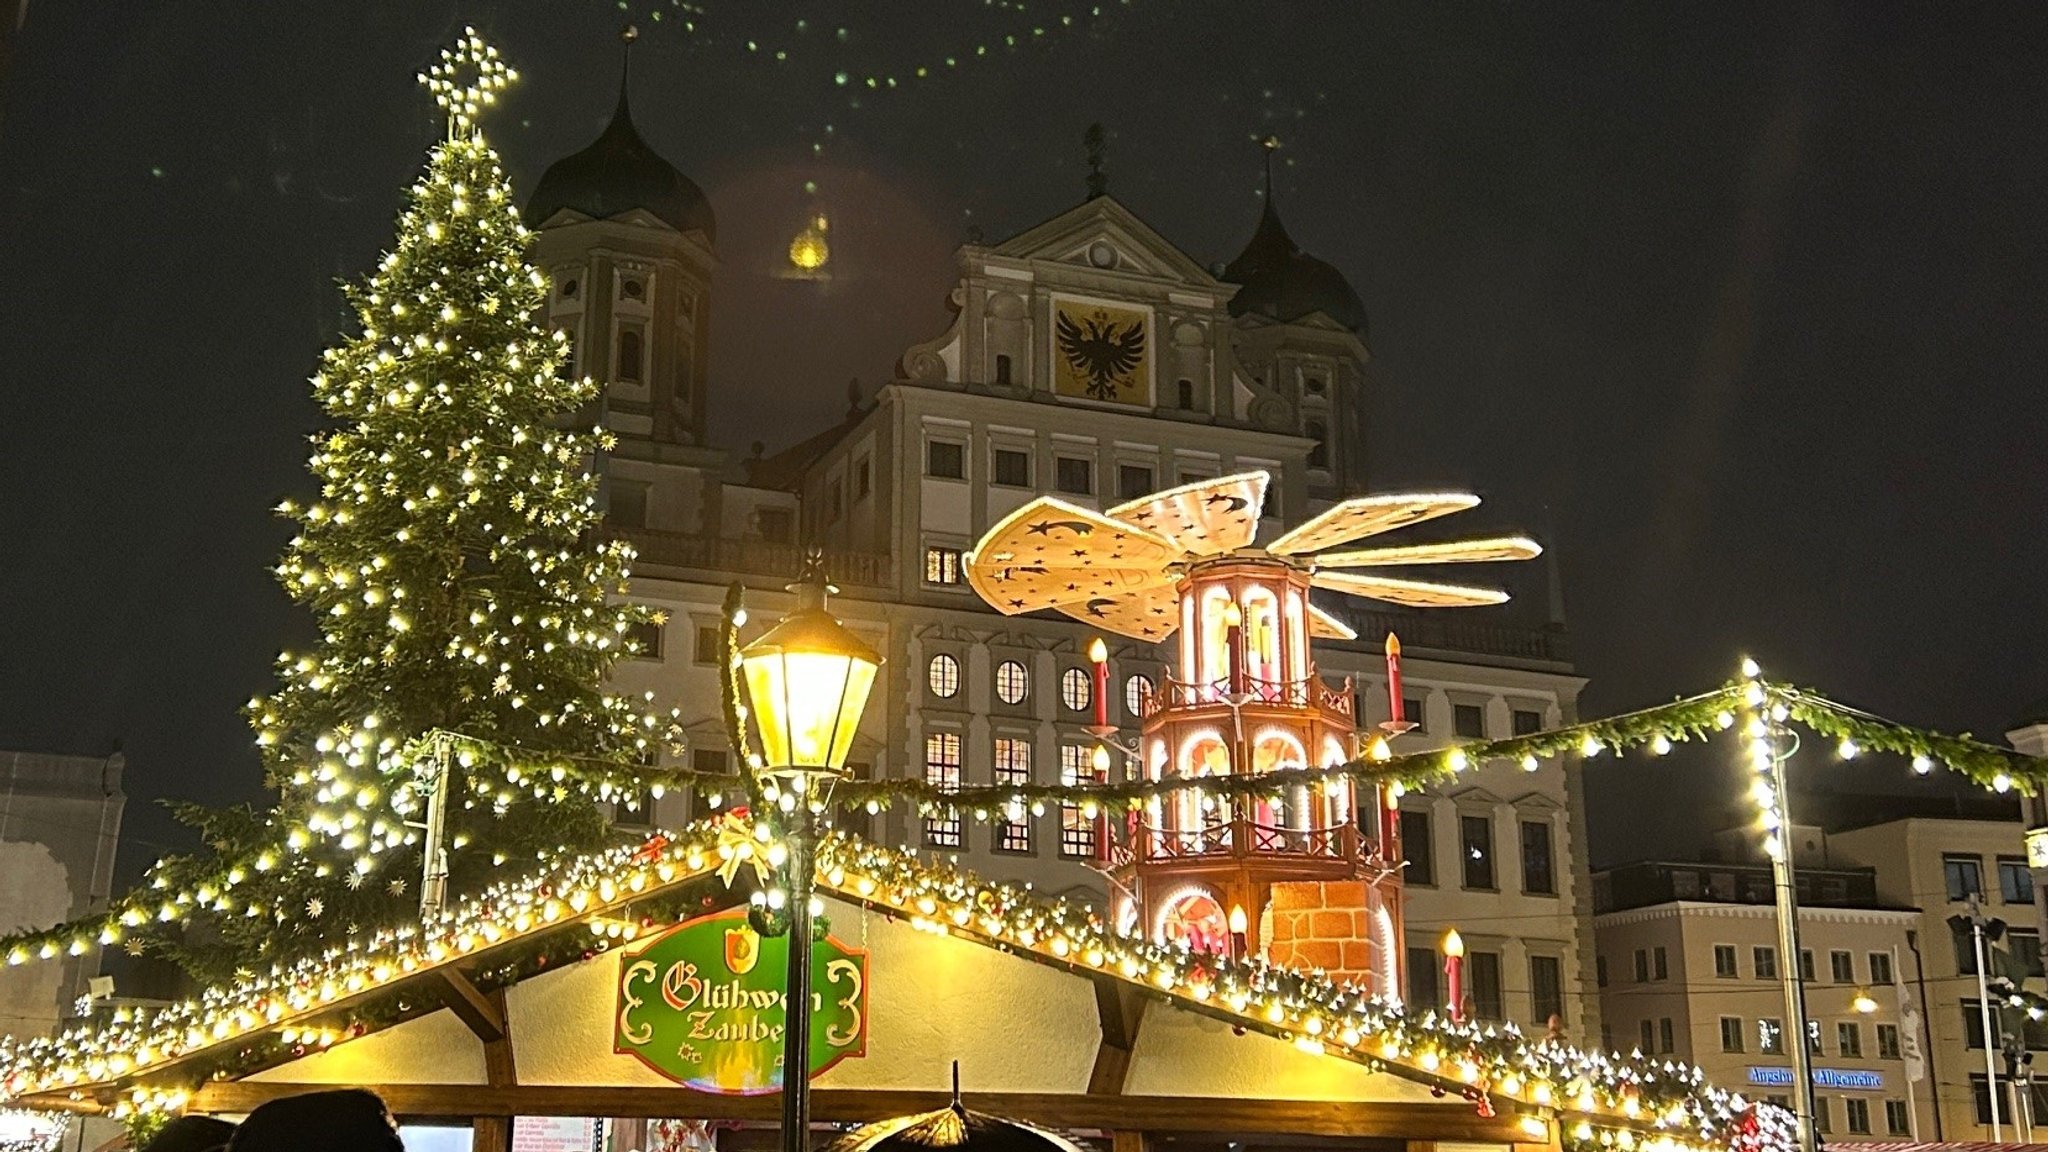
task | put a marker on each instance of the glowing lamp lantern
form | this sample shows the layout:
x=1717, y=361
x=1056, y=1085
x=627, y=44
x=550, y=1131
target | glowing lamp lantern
x=808, y=679
x=1098, y=655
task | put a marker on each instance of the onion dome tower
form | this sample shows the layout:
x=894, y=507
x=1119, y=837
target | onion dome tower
x=627, y=241
x=1301, y=344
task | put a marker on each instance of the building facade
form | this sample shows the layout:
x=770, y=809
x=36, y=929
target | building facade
x=60, y=819
x=1690, y=967
x=1263, y=367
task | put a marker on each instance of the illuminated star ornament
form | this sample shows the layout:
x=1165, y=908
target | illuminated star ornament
x=467, y=80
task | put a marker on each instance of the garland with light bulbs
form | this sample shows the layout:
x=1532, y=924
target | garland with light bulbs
x=150, y=1061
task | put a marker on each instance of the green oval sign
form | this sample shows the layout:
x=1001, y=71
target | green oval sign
x=702, y=1004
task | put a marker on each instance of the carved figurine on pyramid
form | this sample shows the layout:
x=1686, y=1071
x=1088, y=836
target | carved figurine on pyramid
x=1242, y=874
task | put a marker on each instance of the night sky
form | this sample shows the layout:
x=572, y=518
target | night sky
x=1738, y=308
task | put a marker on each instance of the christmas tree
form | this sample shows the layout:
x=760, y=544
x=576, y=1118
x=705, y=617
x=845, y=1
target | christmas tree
x=453, y=561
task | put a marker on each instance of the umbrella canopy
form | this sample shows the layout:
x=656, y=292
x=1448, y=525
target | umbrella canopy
x=952, y=1127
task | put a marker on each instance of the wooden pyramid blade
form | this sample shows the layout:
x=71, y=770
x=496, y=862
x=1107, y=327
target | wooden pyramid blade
x=1324, y=626
x=1454, y=552
x=1051, y=533
x=1205, y=518
x=1363, y=516
x=1412, y=593
x=1150, y=614
x=1028, y=588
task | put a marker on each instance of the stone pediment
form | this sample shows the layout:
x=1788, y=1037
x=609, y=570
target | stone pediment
x=1103, y=236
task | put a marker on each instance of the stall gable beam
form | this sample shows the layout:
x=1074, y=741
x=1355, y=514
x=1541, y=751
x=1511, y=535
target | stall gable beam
x=1415, y=1121
x=485, y=1015
x=1119, y=1008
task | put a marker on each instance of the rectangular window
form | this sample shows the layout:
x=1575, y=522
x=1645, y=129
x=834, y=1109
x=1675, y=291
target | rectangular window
x=776, y=525
x=1980, y=1093
x=1898, y=1119
x=1600, y=973
x=709, y=761
x=1731, y=1033
x=1468, y=720
x=1133, y=481
x=1806, y=965
x=1880, y=967
x=1077, y=830
x=1483, y=970
x=1475, y=834
x=863, y=478
x=1012, y=468
x=646, y=638
x=1724, y=961
x=1965, y=942
x=1665, y=1042
x=1525, y=721
x=2015, y=883
x=942, y=566
x=1422, y=970
x=1411, y=711
x=707, y=645
x=1766, y=962
x=1770, y=1037
x=1649, y=1040
x=1074, y=474
x=1813, y=1037
x=1849, y=1038
x=1269, y=504
x=1856, y=1114
x=625, y=503
x=945, y=459
x=1822, y=1109
x=1661, y=963
x=1013, y=766
x=1642, y=966
x=1973, y=1024
x=1964, y=876
x=1887, y=1041
x=2023, y=949
x=1418, y=848
x=1538, y=877
x=942, y=768
x=1842, y=966
x=1546, y=989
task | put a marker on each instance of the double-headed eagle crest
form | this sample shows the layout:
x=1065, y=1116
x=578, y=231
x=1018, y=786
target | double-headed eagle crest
x=1101, y=351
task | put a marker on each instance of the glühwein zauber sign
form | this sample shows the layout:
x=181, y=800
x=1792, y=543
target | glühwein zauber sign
x=703, y=1004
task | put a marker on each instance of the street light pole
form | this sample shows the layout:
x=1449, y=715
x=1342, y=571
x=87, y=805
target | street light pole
x=1785, y=881
x=796, y=1033
x=1976, y=917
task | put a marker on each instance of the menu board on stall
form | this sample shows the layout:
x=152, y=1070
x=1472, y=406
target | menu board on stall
x=556, y=1134
x=702, y=1004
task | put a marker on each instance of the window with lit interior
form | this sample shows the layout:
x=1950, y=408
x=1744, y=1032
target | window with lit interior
x=944, y=675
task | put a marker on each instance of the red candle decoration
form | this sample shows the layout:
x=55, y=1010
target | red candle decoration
x=1395, y=704
x=1098, y=652
x=1098, y=762
x=1233, y=636
x=1390, y=823
x=1454, y=972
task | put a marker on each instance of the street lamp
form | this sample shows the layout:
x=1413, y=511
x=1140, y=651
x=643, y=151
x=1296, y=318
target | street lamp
x=808, y=679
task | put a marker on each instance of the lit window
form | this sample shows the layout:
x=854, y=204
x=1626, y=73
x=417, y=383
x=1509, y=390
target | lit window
x=1013, y=767
x=944, y=675
x=1077, y=831
x=1076, y=691
x=1137, y=690
x=942, y=566
x=1013, y=683
x=942, y=769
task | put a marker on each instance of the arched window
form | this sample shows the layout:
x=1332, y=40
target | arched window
x=1002, y=368
x=1184, y=393
x=1197, y=920
x=630, y=356
x=1319, y=452
x=1013, y=683
x=1076, y=692
x=1137, y=690
x=944, y=675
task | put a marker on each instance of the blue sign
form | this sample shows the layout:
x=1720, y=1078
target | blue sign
x=1857, y=1079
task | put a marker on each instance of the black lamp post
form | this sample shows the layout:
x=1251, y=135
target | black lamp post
x=808, y=679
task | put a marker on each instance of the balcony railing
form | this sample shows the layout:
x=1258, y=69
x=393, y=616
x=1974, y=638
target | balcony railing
x=754, y=557
x=1243, y=836
x=1311, y=692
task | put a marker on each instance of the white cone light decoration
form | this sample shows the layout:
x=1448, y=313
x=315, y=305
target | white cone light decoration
x=808, y=679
